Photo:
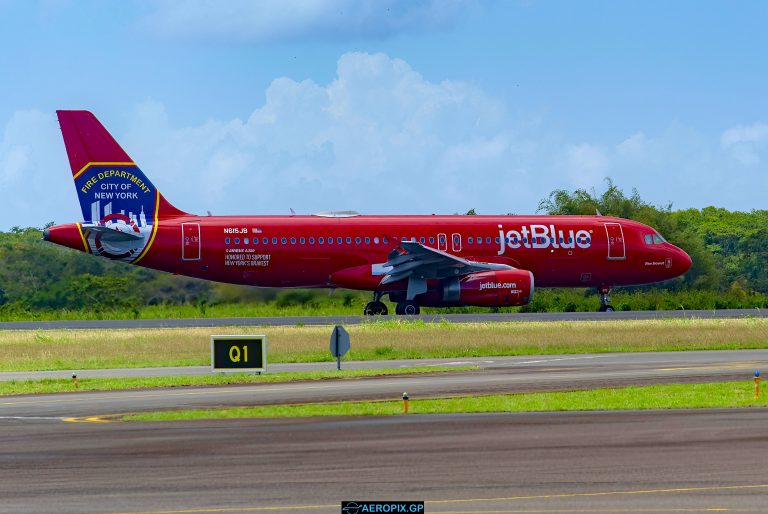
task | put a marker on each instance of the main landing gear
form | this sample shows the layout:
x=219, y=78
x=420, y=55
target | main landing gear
x=605, y=300
x=407, y=308
x=376, y=307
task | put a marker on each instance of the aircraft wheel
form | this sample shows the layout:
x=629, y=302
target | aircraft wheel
x=408, y=308
x=375, y=309
x=609, y=308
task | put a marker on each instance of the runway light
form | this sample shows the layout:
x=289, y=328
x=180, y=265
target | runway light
x=757, y=384
x=405, y=403
x=74, y=381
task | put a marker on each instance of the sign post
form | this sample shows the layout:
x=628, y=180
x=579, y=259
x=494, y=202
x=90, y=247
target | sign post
x=339, y=344
x=238, y=354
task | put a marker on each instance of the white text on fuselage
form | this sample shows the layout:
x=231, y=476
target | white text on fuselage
x=542, y=236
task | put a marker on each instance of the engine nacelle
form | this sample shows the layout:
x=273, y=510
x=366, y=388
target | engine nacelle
x=505, y=288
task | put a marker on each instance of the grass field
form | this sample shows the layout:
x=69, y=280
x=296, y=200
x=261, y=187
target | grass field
x=88, y=349
x=671, y=396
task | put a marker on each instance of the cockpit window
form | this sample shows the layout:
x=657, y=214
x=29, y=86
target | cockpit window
x=648, y=239
x=657, y=239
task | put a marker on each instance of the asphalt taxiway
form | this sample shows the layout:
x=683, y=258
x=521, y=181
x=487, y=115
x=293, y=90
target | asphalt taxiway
x=496, y=375
x=623, y=462
x=651, y=461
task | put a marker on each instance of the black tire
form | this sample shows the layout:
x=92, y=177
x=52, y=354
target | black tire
x=609, y=308
x=411, y=309
x=375, y=309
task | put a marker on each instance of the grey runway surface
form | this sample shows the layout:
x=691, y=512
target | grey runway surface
x=623, y=462
x=354, y=320
x=496, y=375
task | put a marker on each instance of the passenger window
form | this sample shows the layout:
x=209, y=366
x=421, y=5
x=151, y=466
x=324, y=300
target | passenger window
x=340, y=240
x=227, y=240
x=376, y=240
x=255, y=240
x=265, y=240
x=302, y=240
x=349, y=240
x=422, y=240
x=321, y=240
x=311, y=240
x=237, y=240
x=357, y=240
x=470, y=240
x=274, y=240
x=488, y=240
x=284, y=240
x=246, y=241
x=293, y=240
x=385, y=240
x=367, y=240
x=431, y=240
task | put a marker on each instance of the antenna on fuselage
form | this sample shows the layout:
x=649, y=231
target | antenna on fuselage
x=293, y=213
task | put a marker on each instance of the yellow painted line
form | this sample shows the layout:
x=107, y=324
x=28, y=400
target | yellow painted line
x=88, y=419
x=235, y=509
x=745, y=365
x=508, y=498
x=578, y=511
x=607, y=493
x=82, y=236
x=82, y=170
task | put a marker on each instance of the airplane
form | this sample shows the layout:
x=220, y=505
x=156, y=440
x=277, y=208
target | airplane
x=417, y=261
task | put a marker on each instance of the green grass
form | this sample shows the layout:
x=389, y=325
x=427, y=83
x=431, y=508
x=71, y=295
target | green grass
x=24, y=350
x=671, y=396
x=16, y=387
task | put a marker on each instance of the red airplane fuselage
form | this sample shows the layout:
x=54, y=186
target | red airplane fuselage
x=419, y=260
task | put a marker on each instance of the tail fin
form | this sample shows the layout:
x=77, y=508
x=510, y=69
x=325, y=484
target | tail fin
x=109, y=184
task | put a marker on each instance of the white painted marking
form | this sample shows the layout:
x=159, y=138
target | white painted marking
x=560, y=359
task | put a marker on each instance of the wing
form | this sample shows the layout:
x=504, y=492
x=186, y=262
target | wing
x=418, y=263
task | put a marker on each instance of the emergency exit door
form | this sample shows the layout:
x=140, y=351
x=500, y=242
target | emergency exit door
x=616, y=248
x=190, y=242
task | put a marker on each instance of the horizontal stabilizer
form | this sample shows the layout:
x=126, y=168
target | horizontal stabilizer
x=110, y=234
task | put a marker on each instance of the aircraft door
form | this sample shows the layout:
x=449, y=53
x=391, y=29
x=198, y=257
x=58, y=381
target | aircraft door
x=442, y=242
x=190, y=242
x=456, y=242
x=616, y=247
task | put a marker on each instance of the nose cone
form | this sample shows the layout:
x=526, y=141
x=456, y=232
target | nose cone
x=68, y=235
x=683, y=261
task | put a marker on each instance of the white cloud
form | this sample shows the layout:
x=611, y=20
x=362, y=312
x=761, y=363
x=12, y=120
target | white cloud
x=745, y=142
x=33, y=171
x=379, y=138
x=292, y=20
x=586, y=164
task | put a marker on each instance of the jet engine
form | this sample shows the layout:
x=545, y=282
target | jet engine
x=503, y=288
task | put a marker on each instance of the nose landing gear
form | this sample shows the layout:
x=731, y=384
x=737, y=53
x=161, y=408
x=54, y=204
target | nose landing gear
x=376, y=307
x=605, y=299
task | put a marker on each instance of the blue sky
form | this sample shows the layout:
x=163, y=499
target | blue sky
x=389, y=106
